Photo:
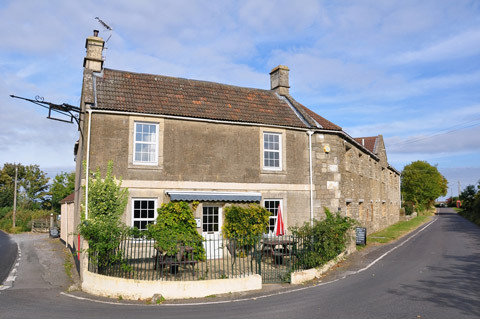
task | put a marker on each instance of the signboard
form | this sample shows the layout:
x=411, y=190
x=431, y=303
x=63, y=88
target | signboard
x=360, y=235
x=199, y=222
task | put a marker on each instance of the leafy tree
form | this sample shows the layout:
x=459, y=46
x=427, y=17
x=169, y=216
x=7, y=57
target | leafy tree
x=32, y=185
x=35, y=185
x=176, y=227
x=245, y=221
x=422, y=183
x=63, y=185
x=468, y=197
x=104, y=230
x=245, y=224
x=106, y=197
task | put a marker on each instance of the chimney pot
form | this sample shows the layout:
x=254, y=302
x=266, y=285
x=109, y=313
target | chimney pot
x=95, y=33
x=279, y=80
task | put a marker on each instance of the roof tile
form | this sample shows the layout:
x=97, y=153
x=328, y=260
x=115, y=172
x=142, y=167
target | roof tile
x=163, y=95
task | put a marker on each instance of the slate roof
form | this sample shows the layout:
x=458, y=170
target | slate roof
x=163, y=95
x=368, y=142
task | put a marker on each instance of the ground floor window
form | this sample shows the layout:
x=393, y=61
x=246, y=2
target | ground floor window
x=144, y=212
x=211, y=220
x=272, y=206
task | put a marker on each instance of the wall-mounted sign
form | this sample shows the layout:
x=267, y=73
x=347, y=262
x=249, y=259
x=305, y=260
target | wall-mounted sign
x=199, y=222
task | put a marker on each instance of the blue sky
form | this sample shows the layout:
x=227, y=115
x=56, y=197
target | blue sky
x=409, y=70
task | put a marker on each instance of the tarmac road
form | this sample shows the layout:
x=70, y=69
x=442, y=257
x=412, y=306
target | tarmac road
x=432, y=273
x=8, y=254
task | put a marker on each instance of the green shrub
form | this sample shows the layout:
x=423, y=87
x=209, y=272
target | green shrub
x=23, y=219
x=245, y=224
x=323, y=241
x=176, y=227
x=4, y=211
x=104, y=229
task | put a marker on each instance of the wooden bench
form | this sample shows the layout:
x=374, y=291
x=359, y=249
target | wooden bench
x=173, y=262
x=278, y=249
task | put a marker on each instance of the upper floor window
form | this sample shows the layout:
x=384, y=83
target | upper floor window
x=272, y=148
x=146, y=141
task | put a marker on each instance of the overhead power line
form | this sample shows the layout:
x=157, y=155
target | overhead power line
x=449, y=130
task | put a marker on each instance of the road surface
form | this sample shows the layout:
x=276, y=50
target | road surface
x=8, y=254
x=432, y=273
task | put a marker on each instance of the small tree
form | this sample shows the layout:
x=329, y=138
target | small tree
x=245, y=224
x=32, y=186
x=176, y=227
x=104, y=229
x=468, y=197
x=422, y=183
x=63, y=185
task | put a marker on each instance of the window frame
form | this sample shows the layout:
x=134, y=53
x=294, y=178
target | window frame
x=274, y=217
x=279, y=151
x=219, y=221
x=155, y=214
x=155, y=143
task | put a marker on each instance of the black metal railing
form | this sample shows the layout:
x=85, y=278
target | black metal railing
x=272, y=257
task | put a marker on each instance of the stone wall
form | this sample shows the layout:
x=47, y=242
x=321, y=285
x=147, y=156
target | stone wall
x=355, y=182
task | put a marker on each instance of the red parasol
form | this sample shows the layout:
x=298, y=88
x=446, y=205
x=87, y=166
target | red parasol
x=279, y=229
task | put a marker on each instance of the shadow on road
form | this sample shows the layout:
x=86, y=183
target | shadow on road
x=455, y=283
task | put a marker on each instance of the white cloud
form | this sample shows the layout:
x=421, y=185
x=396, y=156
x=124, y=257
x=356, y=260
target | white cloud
x=460, y=140
x=460, y=45
x=340, y=55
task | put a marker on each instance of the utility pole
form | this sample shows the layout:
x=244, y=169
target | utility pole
x=15, y=196
x=458, y=189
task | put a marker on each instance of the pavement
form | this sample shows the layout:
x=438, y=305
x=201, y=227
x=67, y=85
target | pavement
x=43, y=262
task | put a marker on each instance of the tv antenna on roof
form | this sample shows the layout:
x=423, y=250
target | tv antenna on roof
x=106, y=26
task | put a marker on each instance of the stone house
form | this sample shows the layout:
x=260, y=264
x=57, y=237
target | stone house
x=179, y=139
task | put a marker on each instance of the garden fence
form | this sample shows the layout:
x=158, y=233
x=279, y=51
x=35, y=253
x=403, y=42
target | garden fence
x=272, y=257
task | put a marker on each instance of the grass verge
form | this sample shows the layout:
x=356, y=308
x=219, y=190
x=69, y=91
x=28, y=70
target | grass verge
x=68, y=265
x=469, y=215
x=397, y=230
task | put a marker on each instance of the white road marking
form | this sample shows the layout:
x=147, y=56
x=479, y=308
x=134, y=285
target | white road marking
x=12, y=275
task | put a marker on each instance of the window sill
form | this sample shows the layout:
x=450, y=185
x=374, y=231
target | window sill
x=272, y=171
x=149, y=167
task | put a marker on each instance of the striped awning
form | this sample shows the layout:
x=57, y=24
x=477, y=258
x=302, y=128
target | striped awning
x=214, y=196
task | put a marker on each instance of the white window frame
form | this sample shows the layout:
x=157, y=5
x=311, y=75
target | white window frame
x=279, y=151
x=154, y=144
x=273, y=217
x=219, y=219
x=154, y=200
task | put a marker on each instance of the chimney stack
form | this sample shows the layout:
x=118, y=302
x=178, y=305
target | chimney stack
x=279, y=79
x=94, y=59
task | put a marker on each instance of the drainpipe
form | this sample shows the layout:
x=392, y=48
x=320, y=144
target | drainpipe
x=87, y=166
x=311, y=174
x=400, y=189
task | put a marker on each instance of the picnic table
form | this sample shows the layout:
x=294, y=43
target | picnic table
x=278, y=248
x=184, y=257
